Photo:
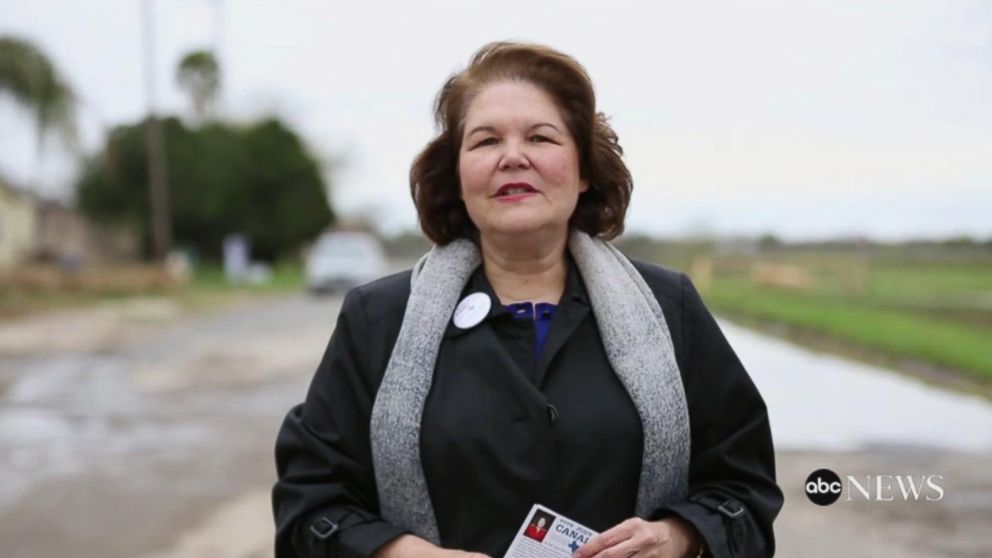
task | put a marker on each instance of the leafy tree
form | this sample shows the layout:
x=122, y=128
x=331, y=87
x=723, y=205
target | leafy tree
x=27, y=75
x=199, y=75
x=257, y=179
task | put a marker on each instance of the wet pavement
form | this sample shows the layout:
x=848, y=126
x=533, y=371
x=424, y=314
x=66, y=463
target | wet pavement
x=137, y=430
x=119, y=450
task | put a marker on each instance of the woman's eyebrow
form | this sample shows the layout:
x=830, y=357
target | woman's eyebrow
x=492, y=130
x=477, y=129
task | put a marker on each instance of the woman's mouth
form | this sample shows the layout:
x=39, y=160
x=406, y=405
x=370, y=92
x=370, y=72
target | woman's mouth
x=515, y=191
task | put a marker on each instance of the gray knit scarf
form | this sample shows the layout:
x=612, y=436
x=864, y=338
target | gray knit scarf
x=638, y=346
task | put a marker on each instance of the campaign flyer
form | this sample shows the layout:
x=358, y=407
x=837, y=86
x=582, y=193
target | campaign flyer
x=548, y=534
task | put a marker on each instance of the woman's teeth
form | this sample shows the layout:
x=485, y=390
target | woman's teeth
x=511, y=191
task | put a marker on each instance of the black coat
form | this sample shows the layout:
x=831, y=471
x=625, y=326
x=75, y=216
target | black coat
x=501, y=431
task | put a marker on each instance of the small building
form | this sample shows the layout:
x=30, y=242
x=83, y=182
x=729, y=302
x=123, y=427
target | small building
x=64, y=235
x=18, y=225
x=33, y=229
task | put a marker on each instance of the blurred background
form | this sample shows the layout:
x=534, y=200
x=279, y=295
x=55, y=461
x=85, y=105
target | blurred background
x=187, y=187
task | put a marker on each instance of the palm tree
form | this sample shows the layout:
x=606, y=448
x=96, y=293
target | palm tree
x=32, y=80
x=199, y=75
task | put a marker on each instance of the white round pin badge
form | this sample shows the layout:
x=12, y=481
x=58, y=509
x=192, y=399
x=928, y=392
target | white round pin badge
x=472, y=309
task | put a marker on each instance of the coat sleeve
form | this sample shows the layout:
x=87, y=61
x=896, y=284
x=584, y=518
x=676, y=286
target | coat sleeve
x=325, y=501
x=733, y=497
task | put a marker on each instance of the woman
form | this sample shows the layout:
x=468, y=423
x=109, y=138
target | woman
x=524, y=360
x=537, y=530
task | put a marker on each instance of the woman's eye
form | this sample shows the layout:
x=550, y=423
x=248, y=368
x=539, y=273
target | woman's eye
x=486, y=141
x=539, y=138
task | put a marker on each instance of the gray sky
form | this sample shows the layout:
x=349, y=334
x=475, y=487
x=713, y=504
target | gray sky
x=805, y=119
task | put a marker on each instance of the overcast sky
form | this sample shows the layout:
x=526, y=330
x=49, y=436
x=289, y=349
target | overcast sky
x=804, y=119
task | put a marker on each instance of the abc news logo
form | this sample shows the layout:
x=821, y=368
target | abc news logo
x=824, y=487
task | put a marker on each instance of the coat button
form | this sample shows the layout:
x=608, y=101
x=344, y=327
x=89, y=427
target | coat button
x=552, y=414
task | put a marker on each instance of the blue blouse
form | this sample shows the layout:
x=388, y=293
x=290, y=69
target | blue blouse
x=541, y=315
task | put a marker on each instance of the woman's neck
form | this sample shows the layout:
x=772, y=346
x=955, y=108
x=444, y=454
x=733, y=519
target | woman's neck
x=525, y=271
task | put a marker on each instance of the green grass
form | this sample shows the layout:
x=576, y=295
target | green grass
x=286, y=276
x=936, y=313
x=209, y=287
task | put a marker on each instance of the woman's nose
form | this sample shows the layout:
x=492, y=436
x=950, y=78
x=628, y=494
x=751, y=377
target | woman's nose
x=514, y=157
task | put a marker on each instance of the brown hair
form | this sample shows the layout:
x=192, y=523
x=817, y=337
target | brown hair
x=434, y=181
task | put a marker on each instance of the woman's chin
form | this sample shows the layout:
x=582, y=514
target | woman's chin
x=524, y=227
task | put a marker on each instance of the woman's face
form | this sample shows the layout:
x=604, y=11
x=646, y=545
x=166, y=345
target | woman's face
x=518, y=164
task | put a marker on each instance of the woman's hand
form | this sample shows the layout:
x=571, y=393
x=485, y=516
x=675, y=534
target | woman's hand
x=409, y=546
x=672, y=537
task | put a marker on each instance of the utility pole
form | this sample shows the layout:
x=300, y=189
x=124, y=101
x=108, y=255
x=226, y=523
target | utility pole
x=158, y=181
x=217, y=38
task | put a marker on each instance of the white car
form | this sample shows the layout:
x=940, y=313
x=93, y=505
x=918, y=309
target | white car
x=341, y=260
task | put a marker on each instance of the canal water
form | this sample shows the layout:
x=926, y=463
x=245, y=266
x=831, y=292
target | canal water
x=823, y=402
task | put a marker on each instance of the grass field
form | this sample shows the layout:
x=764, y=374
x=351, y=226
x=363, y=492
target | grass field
x=936, y=312
x=285, y=276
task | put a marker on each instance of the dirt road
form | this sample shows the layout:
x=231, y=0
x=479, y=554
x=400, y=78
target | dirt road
x=137, y=430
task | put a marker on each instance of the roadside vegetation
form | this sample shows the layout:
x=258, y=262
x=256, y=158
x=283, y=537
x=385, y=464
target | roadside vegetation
x=39, y=288
x=208, y=286
x=923, y=306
